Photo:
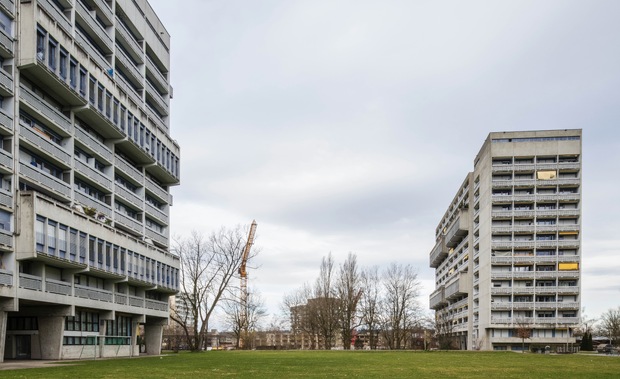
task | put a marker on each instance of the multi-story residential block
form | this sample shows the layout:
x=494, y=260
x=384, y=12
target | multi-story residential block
x=86, y=164
x=508, y=254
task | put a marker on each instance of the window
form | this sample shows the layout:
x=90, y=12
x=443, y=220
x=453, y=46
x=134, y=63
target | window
x=62, y=63
x=83, y=81
x=51, y=54
x=568, y=266
x=73, y=73
x=40, y=234
x=51, y=237
x=546, y=175
x=62, y=241
x=41, y=38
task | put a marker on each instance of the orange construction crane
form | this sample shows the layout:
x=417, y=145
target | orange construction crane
x=244, y=281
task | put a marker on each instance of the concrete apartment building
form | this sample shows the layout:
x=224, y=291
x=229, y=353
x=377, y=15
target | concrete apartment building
x=508, y=249
x=86, y=164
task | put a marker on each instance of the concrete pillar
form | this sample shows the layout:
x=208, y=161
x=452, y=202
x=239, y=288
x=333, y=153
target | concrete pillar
x=51, y=330
x=152, y=336
x=3, y=317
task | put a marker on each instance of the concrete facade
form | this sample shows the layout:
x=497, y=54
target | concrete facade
x=86, y=166
x=508, y=249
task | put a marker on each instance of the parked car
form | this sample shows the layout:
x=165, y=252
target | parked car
x=604, y=349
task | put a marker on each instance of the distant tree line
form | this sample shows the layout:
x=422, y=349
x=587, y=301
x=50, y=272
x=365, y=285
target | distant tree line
x=348, y=306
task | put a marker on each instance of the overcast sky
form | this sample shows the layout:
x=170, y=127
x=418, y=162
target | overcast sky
x=348, y=126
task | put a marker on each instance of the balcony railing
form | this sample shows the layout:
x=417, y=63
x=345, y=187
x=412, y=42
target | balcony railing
x=6, y=159
x=105, y=10
x=51, y=148
x=120, y=298
x=156, y=213
x=127, y=88
x=94, y=54
x=6, y=41
x=30, y=282
x=46, y=109
x=6, y=199
x=94, y=25
x=6, y=80
x=159, y=100
x=136, y=301
x=156, y=237
x=128, y=38
x=159, y=77
x=6, y=121
x=129, y=196
x=94, y=144
x=131, y=68
x=56, y=14
x=93, y=293
x=93, y=174
x=156, y=305
x=128, y=222
x=128, y=169
x=9, y=5
x=57, y=287
x=6, y=278
x=90, y=202
x=44, y=179
x=156, y=190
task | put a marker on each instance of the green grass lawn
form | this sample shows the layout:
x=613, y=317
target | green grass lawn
x=337, y=364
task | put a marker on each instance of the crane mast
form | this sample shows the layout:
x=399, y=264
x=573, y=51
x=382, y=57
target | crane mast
x=244, y=282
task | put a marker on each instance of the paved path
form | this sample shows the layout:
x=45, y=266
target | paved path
x=16, y=365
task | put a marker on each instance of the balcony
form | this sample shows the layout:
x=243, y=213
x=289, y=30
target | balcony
x=155, y=190
x=44, y=180
x=6, y=44
x=133, y=47
x=58, y=287
x=9, y=6
x=6, y=199
x=130, y=68
x=439, y=252
x=158, y=78
x=6, y=161
x=44, y=145
x=131, y=223
x=458, y=229
x=51, y=115
x=6, y=83
x=156, y=305
x=94, y=145
x=93, y=293
x=55, y=13
x=6, y=238
x=93, y=27
x=128, y=196
x=93, y=53
x=93, y=175
x=128, y=89
x=437, y=299
x=88, y=201
x=30, y=282
x=104, y=10
x=6, y=122
x=156, y=237
x=128, y=169
x=460, y=287
x=157, y=214
x=157, y=100
x=6, y=278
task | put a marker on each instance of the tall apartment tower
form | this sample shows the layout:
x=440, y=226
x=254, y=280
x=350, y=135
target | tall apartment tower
x=508, y=254
x=86, y=164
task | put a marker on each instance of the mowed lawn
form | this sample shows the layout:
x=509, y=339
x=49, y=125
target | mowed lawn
x=336, y=364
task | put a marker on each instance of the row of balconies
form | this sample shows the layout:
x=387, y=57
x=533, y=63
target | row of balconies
x=535, y=259
x=535, y=244
x=500, y=183
x=439, y=252
x=35, y=283
x=537, y=166
x=502, y=198
x=508, y=213
x=533, y=228
x=535, y=274
x=534, y=305
x=535, y=290
x=531, y=321
x=458, y=229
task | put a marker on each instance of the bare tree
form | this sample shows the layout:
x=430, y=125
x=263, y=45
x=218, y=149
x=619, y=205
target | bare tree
x=370, y=303
x=324, y=306
x=207, y=266
x=302, y=316
x=348, y=291
x=400, y=308
x=610, y=325
x=244, y=324
x=523, y=330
